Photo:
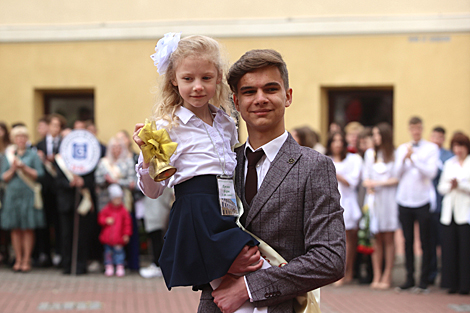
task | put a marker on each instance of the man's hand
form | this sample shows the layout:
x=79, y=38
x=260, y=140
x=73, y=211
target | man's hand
x=231, y=294
x=408, y=153
x=77, y=182
x=248, y=260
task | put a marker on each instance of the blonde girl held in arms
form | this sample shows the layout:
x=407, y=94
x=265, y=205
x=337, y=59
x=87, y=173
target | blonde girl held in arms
x=201, y=242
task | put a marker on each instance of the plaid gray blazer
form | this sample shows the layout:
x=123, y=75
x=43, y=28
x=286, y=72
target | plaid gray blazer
x=297, y=212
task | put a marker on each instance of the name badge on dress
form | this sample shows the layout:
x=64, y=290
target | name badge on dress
x=227, y=196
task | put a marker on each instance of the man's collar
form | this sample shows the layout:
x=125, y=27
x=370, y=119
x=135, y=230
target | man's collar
x=417, y=143
x=272, y=148
x=49, y=137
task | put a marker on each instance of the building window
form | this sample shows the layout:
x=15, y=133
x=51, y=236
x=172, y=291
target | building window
x=73, y=106
x=364, y=105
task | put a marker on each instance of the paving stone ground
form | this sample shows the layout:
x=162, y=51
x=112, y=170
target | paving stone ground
x=47, y=290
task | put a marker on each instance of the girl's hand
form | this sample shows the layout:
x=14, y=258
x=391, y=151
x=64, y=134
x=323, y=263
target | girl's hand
x=367, y=183
x=454, y=184
x=109, y=220
x=136, y=138
x=125, y=239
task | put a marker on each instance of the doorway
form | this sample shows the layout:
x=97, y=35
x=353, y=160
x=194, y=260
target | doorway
x=73, y=105
x=368, y=106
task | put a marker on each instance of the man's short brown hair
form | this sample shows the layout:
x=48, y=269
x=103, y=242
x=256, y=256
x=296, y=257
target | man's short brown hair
x=415, y=120
x=253, y=60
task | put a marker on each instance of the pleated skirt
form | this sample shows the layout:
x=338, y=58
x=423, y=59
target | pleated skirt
x=200, y=244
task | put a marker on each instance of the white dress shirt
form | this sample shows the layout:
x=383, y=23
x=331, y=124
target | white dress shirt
x=415, y=176
x=195, y=154
x=50, y=141
x=350, y=168
x=270, y=151
x=456, y=202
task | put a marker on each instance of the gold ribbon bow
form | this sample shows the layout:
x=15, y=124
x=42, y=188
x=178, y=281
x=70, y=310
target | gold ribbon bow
x=157, y=150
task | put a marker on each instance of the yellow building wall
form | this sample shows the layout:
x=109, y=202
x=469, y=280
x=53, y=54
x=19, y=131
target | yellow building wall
x=28, y=12
x=430, y=78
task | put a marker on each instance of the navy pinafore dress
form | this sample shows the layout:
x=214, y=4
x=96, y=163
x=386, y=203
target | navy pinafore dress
x=200, y=244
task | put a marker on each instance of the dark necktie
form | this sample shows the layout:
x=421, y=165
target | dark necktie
x=251, y=183
x=55, y=145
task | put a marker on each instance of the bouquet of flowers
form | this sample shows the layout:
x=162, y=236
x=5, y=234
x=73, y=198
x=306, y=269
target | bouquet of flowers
x=364, y=234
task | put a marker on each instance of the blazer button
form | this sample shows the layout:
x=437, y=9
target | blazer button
x=278, y=293
x=291, y=161
x=266, y=295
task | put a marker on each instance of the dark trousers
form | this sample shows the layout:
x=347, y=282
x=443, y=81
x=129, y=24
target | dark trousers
x=43, y=243
x=407, y=217
x=456, y=257
x=67, y=223
x=92, y=228
x=434, y=241
x=156, y=242
x=133, y=247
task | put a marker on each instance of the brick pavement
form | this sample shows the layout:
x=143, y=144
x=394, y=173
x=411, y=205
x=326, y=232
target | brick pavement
x=47, y=290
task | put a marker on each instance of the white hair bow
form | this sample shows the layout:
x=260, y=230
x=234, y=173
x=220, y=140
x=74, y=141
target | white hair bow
x=163, y=50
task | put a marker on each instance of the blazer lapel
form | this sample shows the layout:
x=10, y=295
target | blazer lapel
x=285, y=160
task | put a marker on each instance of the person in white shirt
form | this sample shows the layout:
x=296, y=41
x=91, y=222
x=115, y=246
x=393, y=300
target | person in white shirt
x=348, y=172
x=416, y=165
x=455, y=217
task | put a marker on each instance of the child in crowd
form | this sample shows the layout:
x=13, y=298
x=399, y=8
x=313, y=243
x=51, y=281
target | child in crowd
x=202, y=241
x=116, y=229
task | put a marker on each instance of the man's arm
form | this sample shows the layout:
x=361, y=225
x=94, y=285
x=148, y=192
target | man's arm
x=324, y=258
x=427, y=166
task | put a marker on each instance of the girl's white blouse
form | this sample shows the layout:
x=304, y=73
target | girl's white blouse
x=195, y=154
x=350, y=168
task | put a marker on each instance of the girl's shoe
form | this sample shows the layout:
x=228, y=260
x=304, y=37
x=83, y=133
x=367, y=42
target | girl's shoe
x=109, y=270
x=120, y=271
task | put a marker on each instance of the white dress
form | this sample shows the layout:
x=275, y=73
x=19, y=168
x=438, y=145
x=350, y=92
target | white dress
x=350, y=168
x=384, y=208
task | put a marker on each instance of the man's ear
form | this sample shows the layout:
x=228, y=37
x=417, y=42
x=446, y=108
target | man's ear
x=235, y=101
x=288, y=97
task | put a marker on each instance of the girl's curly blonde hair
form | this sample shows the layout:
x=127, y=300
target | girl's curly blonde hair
x=170, y=99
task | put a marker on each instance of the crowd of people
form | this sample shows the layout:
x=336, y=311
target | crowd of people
x=39, y=198
x=420, y=181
